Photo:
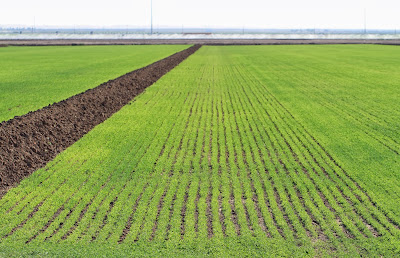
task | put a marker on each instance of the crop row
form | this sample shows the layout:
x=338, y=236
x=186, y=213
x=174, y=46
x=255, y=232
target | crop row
x=373, y=122
x=346, y=95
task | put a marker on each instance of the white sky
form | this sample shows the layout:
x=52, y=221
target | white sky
x=346, y=14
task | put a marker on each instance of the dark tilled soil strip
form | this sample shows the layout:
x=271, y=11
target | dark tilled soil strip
x=28, y=142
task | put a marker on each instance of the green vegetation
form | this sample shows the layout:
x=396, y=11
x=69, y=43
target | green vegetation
x=237, y=151
x=34, y=77
x=348, y=97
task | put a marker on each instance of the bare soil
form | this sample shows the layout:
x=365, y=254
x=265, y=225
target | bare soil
x=29, y=142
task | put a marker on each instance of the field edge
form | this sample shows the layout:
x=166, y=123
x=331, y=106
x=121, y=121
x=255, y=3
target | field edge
x=213, y=247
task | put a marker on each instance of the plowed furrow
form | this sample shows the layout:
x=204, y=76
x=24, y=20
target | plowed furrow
x=171, y=212
x=307, y=134
x=61, y=224
x=127, y=228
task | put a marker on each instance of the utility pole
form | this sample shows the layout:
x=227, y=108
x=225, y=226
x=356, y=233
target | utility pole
x=151, y=17
x=365, y=20
x=34, y=24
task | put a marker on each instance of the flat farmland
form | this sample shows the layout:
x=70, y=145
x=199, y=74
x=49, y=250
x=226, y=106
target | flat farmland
x=238, y=151
x=32, y=77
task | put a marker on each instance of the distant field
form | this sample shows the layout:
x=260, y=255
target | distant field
x=34, y=77
x=240, y=150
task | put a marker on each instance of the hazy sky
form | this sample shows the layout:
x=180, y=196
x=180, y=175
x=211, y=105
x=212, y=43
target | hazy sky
x=381, y=14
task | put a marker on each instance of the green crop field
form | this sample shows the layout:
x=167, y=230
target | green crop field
x=238, y=151
x=34, y=77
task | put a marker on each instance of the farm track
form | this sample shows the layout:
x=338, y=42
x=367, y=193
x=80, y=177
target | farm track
x=29, y=142
x=78, y=42
x=211, y=155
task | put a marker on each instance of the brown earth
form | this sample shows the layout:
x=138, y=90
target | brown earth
x=60, y=42
x=29, y=142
